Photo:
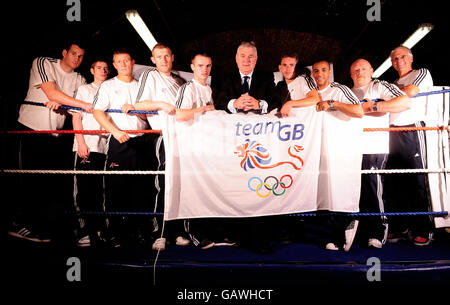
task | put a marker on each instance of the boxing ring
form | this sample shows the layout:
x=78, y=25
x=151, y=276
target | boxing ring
x=289, y=265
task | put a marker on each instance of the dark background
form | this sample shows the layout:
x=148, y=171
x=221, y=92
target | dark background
x=337, y=30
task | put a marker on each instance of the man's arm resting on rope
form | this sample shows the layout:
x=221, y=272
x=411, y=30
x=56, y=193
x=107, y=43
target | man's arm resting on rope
x=57, y=96
x=188, y=114
x=312, y=98
x=83, y=149
x=106, y=124
x=150, y=106
x=352, y=110
x=397, y=104
x=411, y=90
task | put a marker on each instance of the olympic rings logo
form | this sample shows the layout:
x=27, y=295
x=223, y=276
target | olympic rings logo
x=270, y=189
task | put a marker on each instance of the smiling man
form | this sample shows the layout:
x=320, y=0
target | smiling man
x=247, y=90
x=407, y=149
x=375, y=144
x=339, y=179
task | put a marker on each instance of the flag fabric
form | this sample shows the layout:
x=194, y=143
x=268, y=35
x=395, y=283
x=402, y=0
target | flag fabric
x=244, y=165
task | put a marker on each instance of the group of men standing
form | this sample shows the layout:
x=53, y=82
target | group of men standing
x=54, y=83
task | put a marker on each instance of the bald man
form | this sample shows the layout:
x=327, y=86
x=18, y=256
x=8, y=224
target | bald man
x=338, y=191
x=390, y=99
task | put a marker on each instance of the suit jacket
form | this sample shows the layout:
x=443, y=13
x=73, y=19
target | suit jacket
x=262, y=87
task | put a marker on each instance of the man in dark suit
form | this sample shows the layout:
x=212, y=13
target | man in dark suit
x=247, y=90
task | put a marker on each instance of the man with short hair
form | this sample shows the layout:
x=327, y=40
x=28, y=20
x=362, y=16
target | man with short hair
x=158, y=89
x=247, y=90
x=375, y=145
x=339, y=177
x=407, y=150
x=90, y=154
x=195, y=98
x=53, y=82
x=125, y=152
x=294, y=90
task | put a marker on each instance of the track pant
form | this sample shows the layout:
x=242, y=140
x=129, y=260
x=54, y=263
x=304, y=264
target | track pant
x=129, y=193
x=43, y=198
x=408, y=192
x=371, y=200
x=173, y=228
x=88, y=194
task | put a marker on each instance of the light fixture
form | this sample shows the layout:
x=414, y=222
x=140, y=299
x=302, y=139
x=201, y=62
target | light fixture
x=140, y=27
x=423, y=30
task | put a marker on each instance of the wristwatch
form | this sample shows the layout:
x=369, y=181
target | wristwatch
x=375, y=107
x=332, y=104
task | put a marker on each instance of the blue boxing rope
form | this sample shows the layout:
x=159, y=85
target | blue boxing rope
x=417, y=95
x=107, y=110
x=155, y=112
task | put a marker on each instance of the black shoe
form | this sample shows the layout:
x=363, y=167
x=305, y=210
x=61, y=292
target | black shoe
x=206, y=244
x=22, y=232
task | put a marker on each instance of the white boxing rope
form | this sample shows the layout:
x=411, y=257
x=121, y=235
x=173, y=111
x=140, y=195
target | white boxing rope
x=125, y=172
x=80, y=172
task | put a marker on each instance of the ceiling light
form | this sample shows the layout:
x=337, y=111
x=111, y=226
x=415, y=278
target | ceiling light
x=423, y=30
x=140, y=27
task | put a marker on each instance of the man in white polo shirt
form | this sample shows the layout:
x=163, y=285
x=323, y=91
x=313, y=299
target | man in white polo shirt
x=375, y=144
x=407, y=150
x=125, y=151
x=195, y=98
x=340, y=160
x=90, y=154
x=158, y=89
x=294, y=90
x=53, y=82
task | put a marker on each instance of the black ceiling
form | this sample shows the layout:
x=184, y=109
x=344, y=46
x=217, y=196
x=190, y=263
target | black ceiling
x=338, y=30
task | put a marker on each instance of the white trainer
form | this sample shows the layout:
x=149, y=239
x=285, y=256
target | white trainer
x=159, y=244
x=375, y=243
x=332, y=247
x=181, y=241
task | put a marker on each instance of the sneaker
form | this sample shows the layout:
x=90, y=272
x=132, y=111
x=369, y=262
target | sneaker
x=225, y=243
x=375, y=243
x=24, y=233
x=84, y=242
x=181, y=241
x=159, y=244
x=114, y=242
x=350, y=233
x=423, y=241
x=395, y=238
x=206, y=244
x=332, y=247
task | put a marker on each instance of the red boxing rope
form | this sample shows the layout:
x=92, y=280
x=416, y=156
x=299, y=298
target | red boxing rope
x=159, y=131
x=78, y=131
